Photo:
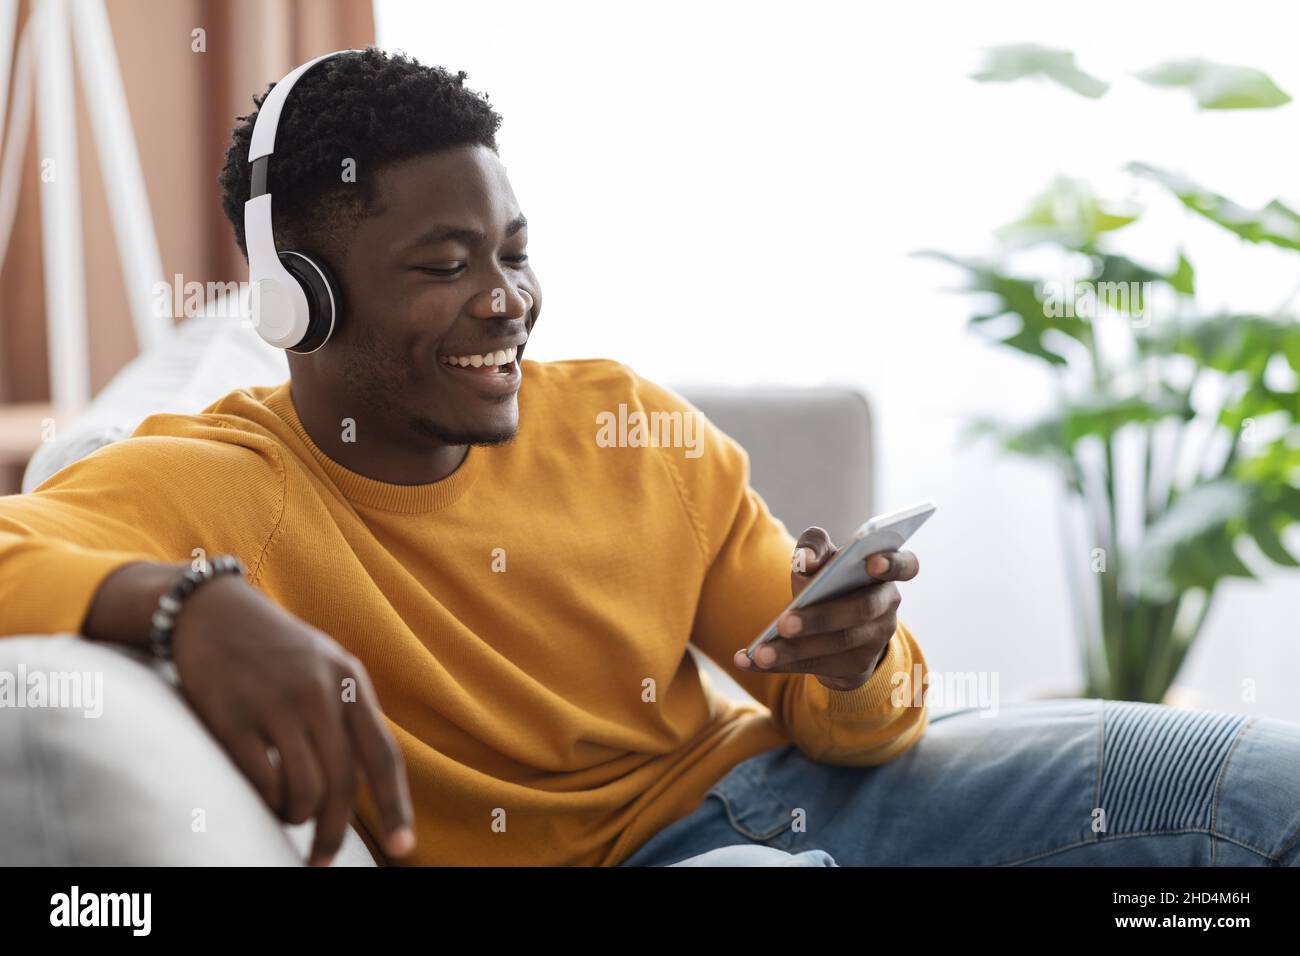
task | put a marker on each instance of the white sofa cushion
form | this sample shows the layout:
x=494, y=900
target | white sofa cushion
x=141, y=784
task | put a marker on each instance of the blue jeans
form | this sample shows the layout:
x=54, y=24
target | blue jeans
x=1046, y=783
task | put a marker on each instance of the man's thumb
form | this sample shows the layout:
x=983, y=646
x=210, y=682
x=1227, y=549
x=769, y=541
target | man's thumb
x=811, y=551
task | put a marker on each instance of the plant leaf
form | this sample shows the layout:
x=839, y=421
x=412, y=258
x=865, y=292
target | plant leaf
x=1274, y=223
x=1218, y=86
x=1277, y=464
x=1183, y=278
x=1227, y=342
x=1190, y=544
x=1053, y=437
x=1257, y=401
x=1068, y=214
x=1264, y=529
x=1004, y=64
x=1104, y=416
x=1120, y=283
x=1020, y=297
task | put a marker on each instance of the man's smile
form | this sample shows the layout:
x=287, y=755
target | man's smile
x=489, y=358
x=491, y=369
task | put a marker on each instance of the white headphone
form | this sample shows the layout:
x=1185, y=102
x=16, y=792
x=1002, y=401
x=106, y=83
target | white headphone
x=295, y=300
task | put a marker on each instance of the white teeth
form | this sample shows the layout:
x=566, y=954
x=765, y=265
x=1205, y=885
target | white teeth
x=491, y=359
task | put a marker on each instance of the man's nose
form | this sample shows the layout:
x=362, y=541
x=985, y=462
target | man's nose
x=503, y=301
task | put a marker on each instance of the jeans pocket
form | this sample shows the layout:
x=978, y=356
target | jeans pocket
x=754, y=809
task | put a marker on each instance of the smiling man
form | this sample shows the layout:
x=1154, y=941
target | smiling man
x=430, y=520
x=454, y=592
x=426, y=355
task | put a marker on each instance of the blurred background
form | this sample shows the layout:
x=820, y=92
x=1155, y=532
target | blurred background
x=732, y=193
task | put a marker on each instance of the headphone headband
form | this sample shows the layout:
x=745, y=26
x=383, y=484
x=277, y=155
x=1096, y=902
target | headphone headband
x=268, y=114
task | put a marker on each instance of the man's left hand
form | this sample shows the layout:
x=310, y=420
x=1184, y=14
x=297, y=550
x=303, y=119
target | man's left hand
x=842, y=640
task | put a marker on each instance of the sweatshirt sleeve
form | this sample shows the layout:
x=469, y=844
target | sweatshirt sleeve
x=747, y=553
x=155, y=497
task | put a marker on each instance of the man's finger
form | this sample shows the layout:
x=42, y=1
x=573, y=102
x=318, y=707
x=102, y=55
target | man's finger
x=848, y=664
x=329, y=738
x=813, y=549
x=248, y=750
x=384, y=769
x=300, y=773
x=893, y=565
x=869, y=635
x=836, y=614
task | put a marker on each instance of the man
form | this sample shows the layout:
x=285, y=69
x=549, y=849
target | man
x=458, y=593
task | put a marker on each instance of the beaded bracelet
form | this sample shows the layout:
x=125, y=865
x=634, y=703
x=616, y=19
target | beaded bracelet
x=164, y=618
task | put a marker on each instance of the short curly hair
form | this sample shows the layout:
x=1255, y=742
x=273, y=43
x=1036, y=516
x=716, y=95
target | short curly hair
x=369, y=106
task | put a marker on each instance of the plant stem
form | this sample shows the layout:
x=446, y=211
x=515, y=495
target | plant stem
x=1113, y=591
x=1145, y=613
x=1172, y=484
x=1154, y=684
x=1076, y=604
x=1182, y=643
x=1147, y=483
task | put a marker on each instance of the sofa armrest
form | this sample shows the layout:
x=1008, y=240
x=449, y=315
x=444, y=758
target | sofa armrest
x=108, y=766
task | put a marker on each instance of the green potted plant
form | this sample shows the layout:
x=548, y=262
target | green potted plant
x=1128, y=350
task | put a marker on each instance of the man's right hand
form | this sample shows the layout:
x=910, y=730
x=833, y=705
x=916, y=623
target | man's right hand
x=260, y=678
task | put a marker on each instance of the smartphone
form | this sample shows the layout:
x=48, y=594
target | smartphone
x=847, y=571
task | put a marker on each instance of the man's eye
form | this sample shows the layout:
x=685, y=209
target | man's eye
x=453, y=270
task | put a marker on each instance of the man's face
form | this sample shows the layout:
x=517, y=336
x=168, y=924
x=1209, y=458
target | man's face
x=440, y=275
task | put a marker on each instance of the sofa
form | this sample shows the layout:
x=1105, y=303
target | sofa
x=142, y=782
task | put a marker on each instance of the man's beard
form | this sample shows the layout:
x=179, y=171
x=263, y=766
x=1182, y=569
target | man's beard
x=375, y=377
x=428, y=428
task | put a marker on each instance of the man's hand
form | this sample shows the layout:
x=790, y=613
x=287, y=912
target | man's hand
x=259, y=677
x=841, y=640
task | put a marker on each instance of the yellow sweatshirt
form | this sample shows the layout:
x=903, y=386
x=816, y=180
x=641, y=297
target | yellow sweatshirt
x=524, y=620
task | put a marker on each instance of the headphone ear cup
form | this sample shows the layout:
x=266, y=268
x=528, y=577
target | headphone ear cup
x=323, y=301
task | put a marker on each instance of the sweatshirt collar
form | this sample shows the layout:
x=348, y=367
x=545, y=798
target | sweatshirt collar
x=381, y=495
